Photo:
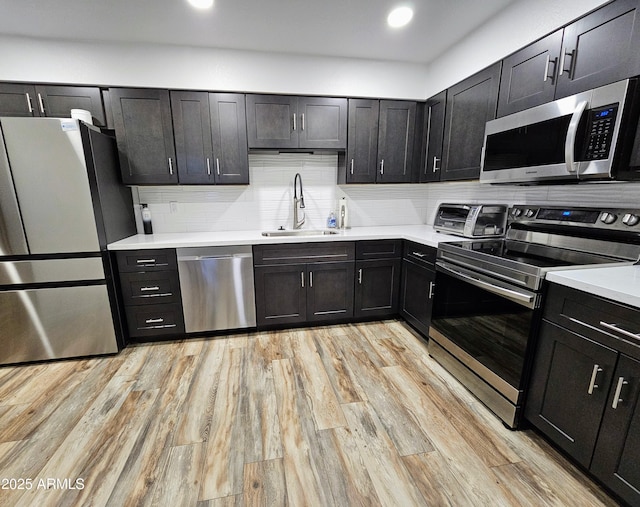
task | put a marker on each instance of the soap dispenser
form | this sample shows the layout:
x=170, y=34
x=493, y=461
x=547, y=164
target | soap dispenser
x=331, y=221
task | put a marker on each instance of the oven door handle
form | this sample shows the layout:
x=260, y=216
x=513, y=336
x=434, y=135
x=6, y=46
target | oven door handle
x=526, y=299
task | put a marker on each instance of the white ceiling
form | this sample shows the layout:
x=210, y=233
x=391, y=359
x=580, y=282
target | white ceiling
x=345, y=28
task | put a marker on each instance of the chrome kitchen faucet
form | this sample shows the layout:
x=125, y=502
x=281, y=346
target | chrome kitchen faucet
x=297, y=222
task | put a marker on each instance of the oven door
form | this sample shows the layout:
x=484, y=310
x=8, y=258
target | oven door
x=480, y=331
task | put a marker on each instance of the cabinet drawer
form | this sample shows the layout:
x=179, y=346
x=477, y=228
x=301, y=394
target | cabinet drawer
x=147, y=260
x=303, y=253
x=422, y=254
x=378, y=249
x=150, y=288
x=605, y=321
x=155, y=320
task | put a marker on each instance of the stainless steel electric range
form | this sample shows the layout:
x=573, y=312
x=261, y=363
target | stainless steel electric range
x=489, y=293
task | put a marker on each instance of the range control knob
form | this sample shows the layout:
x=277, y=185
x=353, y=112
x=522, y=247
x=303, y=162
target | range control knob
x=630, y=219
x=530, y=212
x=608, y=218
x=516, y=212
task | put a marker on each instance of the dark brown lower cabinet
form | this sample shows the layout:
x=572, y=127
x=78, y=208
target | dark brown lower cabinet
x=585, y=386
x=418, y=283
x=377, y=287
x=330, y=291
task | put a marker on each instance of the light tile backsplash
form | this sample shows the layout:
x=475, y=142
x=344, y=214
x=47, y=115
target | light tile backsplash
x=266, y=203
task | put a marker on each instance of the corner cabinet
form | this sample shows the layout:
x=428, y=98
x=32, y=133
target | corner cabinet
x=144, y=134
x=470, y=104
x=380, y=142
x=585, y=386
x=303, y=282
x=296, y=123
x=55, y=101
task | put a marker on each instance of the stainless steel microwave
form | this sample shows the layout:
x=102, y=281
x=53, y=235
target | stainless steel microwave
x=592, y=135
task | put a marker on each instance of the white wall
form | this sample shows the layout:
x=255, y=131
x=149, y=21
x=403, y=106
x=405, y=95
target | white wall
x=164, y=66
x=518, y=25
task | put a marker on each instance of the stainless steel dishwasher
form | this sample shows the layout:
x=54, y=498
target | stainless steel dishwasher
x=217, y=288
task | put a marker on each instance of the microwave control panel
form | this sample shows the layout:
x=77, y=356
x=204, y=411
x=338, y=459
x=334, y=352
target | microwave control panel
x=600, y=127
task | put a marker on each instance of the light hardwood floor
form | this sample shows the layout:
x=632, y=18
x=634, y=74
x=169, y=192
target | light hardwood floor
x=344, y=415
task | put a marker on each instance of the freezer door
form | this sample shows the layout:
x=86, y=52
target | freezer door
x=12, y=238
x=47, y=162
x=55, y=323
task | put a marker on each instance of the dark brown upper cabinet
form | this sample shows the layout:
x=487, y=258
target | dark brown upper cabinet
x=529, y=76
x=55, y=101
x=396, y=131
x=470, y=104
x=229, y=135
x=287, y=122
x=431, y=156
x=600, y=48
x=362, y=141
x=144, y=134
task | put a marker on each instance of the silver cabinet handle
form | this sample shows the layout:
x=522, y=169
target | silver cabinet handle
x=302, y=121
x=208, y=167
x=351, y=166
x=418, y=254
x=310, y=278
x=546, y=69
x=218, y=166
x=302, y=279
x=29, y=103
x=569, y=145
x=571, y=54
x=143, y=289
x=170, y=166
x=145, y=261
x=294, y=121
x=41, y=102
x=616, y=396
x=382, y=167
x=624, y=332
x=432, y=286
x=435, y=163
x=153, y=321
x=360, y=276
x=594, y=376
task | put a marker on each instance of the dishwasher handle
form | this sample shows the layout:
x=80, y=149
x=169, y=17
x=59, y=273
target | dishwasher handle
x=192, y=258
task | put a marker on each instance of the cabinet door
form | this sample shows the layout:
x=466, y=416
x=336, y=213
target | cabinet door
x=281, y=294
x=272, y=121
x=58, y=101
x=330, y=291
x=470, y=104
x=377, y=287
x=229, y=127
x=416, y=295
x=18, y=100
x=568, y=392
x=615, y=460
x=434, y=128
x=395, y=141
x=144, y=133
x=192, y=132
x=529, y=76
x=362, y=144
x=322, y=123
x=600, y=48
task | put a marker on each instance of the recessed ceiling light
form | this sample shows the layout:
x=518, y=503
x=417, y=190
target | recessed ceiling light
x=201, y=4
x=399, y=16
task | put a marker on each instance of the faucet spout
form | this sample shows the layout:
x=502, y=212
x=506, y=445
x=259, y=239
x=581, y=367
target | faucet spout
x=298, y=202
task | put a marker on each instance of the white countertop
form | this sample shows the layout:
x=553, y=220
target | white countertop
x=423, y=234
x=620, y=283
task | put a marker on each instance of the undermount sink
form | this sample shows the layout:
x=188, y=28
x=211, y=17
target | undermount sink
x=300, y=232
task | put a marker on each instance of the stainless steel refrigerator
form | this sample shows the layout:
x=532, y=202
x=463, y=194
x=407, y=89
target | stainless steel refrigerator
x=61, y=203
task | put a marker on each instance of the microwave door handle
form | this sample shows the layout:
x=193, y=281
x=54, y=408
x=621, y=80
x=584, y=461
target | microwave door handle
x=570, y=143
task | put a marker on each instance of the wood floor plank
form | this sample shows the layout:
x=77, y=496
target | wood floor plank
x=465, y=464
x=227, y=501
x=301, y=469
x=194, y=347
x=194, y=424
x=224, y=458
x=264, y=484
x=436, y=482
x=317, y=386
x=391, y=480
x=179, y=483
x=153, y=373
